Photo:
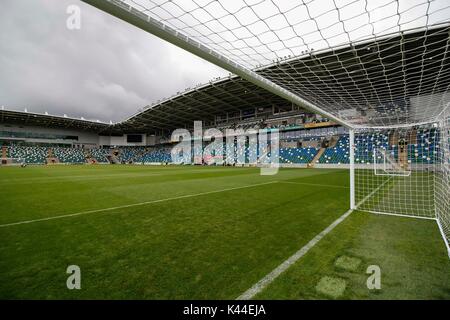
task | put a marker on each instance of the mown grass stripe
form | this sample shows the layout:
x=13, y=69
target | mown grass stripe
x=133, y=205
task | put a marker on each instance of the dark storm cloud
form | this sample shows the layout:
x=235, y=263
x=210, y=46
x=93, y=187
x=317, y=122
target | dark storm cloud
x=107, y=70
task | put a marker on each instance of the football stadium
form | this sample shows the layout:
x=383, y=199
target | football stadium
x=319, y=168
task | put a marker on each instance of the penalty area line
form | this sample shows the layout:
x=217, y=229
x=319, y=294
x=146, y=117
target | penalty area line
x=269, y=278
x=133, y=205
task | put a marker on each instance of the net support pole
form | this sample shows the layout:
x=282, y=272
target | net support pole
x=139, y=19
x=441, y=180
x=352, y=169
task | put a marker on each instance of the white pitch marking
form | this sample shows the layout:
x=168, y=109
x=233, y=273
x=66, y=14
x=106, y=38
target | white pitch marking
x=400, y=215
x=133, y=205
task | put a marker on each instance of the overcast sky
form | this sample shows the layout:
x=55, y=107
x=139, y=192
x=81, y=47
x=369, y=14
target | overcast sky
x=106, y=71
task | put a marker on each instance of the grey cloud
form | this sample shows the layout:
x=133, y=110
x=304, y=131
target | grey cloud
x=107, y=70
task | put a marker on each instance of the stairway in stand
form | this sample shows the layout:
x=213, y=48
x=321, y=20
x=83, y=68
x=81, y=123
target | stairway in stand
x=51, y=159
x=316, y=157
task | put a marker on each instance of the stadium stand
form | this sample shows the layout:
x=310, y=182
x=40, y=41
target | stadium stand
x=297, y=155
x=423, y=150
x=365, y=145
x=129, y=154
x=31, y=155
x=420, y=149
x=69, y=155
x=339, y=154
x=100, y=154
x=155, y=155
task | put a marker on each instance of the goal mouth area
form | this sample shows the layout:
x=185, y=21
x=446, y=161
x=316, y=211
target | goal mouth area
x=385, y=164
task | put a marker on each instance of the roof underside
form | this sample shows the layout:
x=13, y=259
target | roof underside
x=217, y=99
x=355, y=91
x=396, y=80
x=50, y=121
x=390, y=68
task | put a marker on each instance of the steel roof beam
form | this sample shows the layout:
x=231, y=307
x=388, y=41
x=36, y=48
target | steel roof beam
x=159, y=29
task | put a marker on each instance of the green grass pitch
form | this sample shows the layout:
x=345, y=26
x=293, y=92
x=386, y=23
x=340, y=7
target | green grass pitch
x=204, y=233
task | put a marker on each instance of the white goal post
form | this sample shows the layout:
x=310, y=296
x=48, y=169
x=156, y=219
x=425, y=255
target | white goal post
x=403, y=171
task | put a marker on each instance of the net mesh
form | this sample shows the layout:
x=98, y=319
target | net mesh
x=405, y=171
x=442, y=180
x=369, y=62
x=395, y=170
x=12, y=161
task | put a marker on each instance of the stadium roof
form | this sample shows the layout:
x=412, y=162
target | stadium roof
x=216, y=98
x=369, y=91
x=203, y=103
x=50, y=121
x=398, y=79
x=359, y=63
x=415, y=63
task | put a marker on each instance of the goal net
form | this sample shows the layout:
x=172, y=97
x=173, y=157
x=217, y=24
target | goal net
x=378, y=67
x=394, y=170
